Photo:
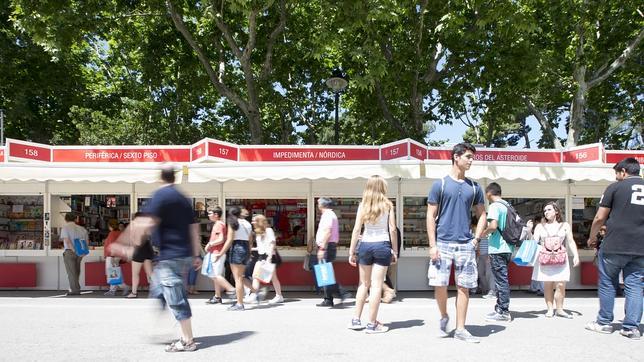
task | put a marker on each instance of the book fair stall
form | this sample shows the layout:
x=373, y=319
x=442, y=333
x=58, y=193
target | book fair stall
x=39, y=184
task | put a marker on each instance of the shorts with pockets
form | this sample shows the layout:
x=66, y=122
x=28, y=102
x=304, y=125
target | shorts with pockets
x=168, y=286
x=463, y=256
x=374, y=253
x=238, y=253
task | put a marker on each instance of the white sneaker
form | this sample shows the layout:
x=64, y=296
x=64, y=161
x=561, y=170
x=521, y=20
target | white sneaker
x=276, y=299
x=251, y=298
x=442, y=333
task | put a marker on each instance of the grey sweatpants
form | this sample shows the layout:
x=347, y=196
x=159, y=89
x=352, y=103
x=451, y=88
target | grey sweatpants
x=73, y=268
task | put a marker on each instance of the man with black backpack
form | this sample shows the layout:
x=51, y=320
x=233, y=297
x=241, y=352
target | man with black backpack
x=500, y=250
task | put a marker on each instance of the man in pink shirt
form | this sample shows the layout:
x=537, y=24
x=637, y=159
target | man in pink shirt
x=327, y=238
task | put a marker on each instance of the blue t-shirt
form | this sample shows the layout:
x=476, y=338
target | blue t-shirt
x=455, y=208
x=172, y=234
x=498, y=211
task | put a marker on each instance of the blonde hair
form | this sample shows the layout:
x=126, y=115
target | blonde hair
x=260, y=224
x=374, y=200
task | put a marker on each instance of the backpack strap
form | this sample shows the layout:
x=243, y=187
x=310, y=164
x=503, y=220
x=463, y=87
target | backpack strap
x=440, y=200
x=474, y=184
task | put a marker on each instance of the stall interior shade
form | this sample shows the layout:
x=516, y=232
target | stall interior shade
x=200, y=205
x=287, y=217
x=21, y=222
x=346, y=209
x=414, y=232
x=583, y=213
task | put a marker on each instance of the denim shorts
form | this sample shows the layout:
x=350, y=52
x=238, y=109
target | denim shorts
x=463, y=256
x=374, y=253
x=168, y=286
x=238, y=253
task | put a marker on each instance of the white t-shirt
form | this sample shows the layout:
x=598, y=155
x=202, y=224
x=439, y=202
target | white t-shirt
x=328, y=220
x=264, y=241
x=72, y=231
x=378, y=231
x=243, y=233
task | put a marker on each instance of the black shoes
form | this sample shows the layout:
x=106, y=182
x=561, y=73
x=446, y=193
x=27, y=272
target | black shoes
x=325, y=303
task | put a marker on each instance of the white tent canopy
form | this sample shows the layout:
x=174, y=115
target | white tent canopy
x=81, y=173
x=243, y=171
x=527, y=171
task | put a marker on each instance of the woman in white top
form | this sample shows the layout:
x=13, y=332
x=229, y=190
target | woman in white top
x=550, y=235
x=238, y=247
x=267, y=250
x=377, y=250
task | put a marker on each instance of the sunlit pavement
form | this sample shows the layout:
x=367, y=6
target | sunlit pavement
x=47, y=326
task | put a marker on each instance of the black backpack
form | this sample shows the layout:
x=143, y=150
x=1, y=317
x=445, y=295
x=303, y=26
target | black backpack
x=514, y=226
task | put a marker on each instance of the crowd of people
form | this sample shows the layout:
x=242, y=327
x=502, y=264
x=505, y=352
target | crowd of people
x=477, y=251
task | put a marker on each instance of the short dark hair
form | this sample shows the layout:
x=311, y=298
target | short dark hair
x=494, y=189
x=461, y=148
x=629, y=165
x=167, y=174
x=70, y=216
x=216, y=210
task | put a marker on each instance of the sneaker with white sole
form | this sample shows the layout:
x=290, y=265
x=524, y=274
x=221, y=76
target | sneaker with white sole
x=181, y=346
x=599, y=328
x=465, y=336
x=498, y=317
x=236, y=307
x=356, y=324
x=276, y=300
x=251, y=298
x=443, y=327
x=376, y=327
x=490, y=295
x=631, y=333
x=110, y=293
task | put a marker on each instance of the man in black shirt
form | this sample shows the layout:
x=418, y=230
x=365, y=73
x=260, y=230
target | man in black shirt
x=622, y=209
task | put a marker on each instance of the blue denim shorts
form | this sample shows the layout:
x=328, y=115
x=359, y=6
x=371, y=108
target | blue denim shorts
x=168, y=286
x=374, y=253
x=238, y=253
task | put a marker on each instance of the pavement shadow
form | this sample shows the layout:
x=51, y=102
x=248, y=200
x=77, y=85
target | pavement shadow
x=485, y=331
x=406, y=324
x=204, y=342
x=527, y=315
x=265, y=306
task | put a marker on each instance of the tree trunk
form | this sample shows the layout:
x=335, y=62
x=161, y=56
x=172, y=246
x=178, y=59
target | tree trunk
x=578, y=107
x=255, y=125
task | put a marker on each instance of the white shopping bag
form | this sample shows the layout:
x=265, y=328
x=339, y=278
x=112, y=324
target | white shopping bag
x=264, y=271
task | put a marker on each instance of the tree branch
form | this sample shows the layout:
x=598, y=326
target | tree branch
x=267, y=65
x=545, y=125
x=226, y=33
x=432, y=72
x=221, y=88
x=598, y=78
x=252, y=36
x=382, y=102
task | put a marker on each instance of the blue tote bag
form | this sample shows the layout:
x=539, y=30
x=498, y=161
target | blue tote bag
x=80, y=247
x=527, y=253
x=114, y=275
x=324, y=274
x=206, y=266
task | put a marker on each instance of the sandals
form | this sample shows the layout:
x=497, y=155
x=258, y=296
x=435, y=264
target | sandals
x=132, y=295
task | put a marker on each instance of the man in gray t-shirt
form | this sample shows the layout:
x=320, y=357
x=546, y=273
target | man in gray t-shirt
x=72, y=261
x=450, y=201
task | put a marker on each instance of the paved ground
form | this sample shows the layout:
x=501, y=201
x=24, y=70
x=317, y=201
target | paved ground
x=42, y=326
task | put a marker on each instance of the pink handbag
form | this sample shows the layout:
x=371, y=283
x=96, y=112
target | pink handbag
x=553, y=251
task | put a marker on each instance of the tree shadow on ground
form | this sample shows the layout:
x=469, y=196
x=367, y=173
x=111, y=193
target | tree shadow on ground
x=204, y=342
x=406, y=324
x=485, y=331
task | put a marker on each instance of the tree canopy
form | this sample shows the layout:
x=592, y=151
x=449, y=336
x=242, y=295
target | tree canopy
x=247, y=71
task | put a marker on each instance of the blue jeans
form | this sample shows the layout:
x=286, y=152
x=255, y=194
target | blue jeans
x=609, y=266
x=499, y=264
x=192, y=275
x=167, y=286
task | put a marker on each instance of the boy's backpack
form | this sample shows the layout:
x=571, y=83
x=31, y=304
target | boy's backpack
x=514, y=226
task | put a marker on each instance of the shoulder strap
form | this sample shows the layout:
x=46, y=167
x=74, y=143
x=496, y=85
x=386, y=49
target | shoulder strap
x=440, y=200
x=474, y=190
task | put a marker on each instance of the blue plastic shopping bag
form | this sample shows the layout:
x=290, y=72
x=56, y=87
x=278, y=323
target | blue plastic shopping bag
x=114, y=275
x=324, y=274
x=206, y=266
x=80, y=247
x=527, y=253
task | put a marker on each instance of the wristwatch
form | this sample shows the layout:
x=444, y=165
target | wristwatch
x=478, y=240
